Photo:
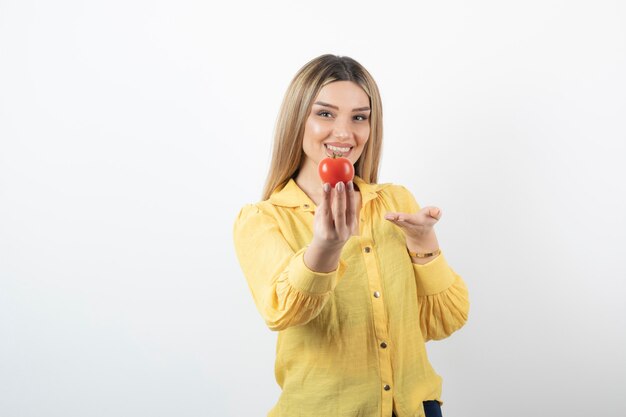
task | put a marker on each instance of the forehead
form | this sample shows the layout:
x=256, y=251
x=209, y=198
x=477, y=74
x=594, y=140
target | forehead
x=343, y=93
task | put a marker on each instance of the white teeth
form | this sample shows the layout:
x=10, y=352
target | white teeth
x=336, y=149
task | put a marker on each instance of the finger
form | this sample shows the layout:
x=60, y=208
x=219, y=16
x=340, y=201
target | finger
x=339, y=207
x=400, y=224
x=431, y=215
x=396, y=216
x=350, y=206
x=434, y=212
x=424, y=217
x=325, y=206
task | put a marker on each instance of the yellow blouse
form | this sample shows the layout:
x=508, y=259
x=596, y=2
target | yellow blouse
x=351, y=342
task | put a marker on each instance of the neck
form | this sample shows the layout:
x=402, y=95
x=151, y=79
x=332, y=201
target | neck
x=309, y=181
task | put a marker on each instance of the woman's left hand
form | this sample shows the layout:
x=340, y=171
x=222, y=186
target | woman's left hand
x=417, y=227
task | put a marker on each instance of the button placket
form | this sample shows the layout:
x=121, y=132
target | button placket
x=381, y=332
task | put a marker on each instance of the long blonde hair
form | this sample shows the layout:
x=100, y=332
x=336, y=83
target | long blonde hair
x=287, y=152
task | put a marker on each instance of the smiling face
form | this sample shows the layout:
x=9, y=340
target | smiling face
x=338, y=123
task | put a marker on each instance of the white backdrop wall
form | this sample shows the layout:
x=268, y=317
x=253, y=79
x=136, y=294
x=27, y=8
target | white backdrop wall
x=131, y=132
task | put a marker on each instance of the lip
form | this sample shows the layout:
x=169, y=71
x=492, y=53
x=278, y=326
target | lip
x=339, y=145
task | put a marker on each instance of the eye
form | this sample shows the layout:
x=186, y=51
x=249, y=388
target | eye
x=324, y=113
x=360, y=117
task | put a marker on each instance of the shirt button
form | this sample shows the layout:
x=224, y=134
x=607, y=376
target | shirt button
x=387, y=387
x=306, y=206
x=383, y=345
x=367, y=249
x=376, y=294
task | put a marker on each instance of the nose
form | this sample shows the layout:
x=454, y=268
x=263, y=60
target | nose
x=341, y=134
x=341, y=130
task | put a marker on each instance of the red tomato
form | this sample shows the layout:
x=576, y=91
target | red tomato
x=333, y=170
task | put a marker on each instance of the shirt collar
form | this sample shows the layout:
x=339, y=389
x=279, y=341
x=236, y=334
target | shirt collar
x=292, y=196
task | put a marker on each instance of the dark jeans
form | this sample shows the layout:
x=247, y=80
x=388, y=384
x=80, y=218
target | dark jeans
x=431, y=408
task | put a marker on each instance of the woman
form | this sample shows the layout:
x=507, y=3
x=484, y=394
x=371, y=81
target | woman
x=351, y=277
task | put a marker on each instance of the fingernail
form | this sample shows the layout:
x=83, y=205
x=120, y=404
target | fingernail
x=350, y=186
x=326, y=187
x=339, y=186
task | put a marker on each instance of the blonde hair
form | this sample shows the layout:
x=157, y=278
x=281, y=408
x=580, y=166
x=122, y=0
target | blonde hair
x=287, y=152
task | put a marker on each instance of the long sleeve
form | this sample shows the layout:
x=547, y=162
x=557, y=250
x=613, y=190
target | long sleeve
x=285, y=291
x=442, y=295
x=351, y=341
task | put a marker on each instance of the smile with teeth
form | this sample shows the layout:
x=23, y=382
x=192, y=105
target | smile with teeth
x=340, y=151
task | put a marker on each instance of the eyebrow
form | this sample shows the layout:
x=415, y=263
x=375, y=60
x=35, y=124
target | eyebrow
x=321, y=103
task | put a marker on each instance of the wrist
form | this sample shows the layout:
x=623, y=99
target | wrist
x=326, y=247
x=424, y=255
x=424, y=249
x=322, y=258
x=426, y=243
x=422, y=258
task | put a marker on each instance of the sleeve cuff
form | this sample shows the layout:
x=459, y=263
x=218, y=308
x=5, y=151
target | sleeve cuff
x=306, y=280
x=433, y=277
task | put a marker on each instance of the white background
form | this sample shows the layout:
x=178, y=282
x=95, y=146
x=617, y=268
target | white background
x=131, y=133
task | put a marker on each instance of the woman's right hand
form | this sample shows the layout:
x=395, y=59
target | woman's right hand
x=334, y=222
